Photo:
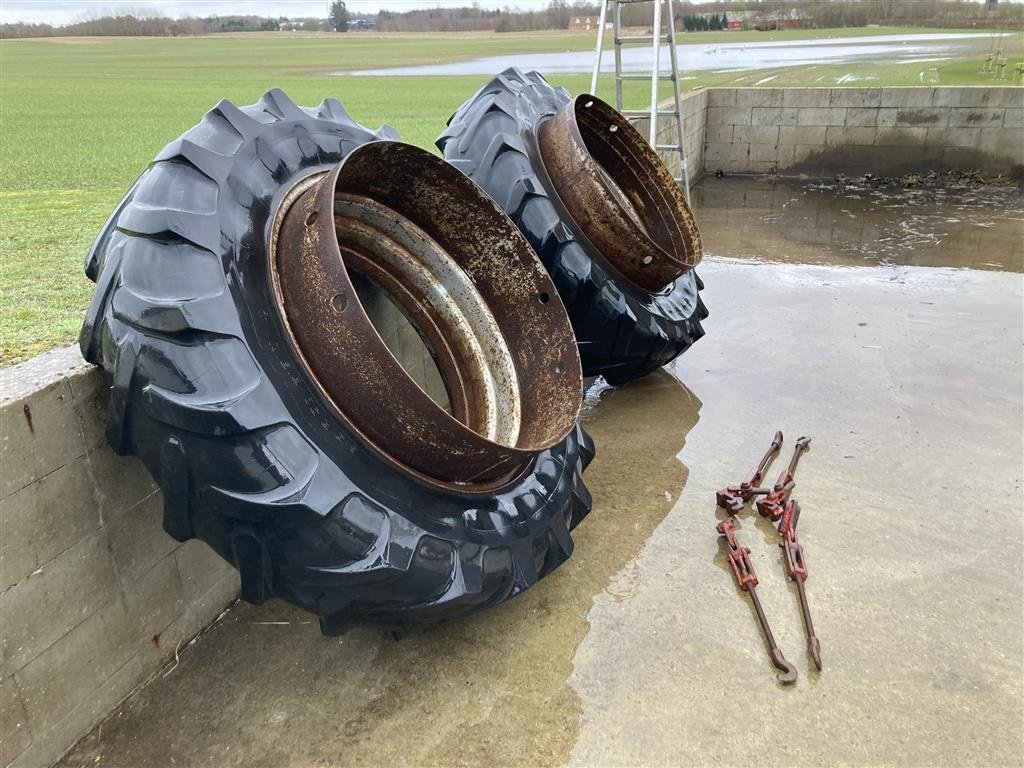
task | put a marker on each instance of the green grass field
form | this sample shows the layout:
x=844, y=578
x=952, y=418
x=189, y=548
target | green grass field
x=82, y=117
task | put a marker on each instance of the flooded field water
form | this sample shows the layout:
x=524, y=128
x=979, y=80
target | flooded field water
x=640, y=650
x=723, y=57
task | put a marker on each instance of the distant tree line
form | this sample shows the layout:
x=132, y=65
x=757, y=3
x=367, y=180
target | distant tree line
x=146, y=26
x=559, y=14
x=705, y=22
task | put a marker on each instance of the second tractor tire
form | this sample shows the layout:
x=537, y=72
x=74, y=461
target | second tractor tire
x=623, y=331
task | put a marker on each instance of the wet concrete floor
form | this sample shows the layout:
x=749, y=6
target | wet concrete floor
x=640, y=650
x=854, y=224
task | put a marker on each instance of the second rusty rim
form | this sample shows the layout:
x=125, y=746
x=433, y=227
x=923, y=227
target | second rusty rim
x=619, y=193
x=471, y=285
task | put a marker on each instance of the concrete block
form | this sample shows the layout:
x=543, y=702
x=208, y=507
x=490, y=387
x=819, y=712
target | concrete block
x=199, y=568
x=721, y=97
x=694, y=116
x=154, y=600
x=924, y=153
x=822, y=116
x=901, y=137
x=804, y=134
x=66, y=674
x=773, y=115
x=860, y=98
x=924, y=117
x=806, y=97
x=728, y=116
x=801, y=152
x=39, y=433
x=14, y=732
x=719, y=134
x=858, y=116
x=718, y=156
x=846, y=137
x=965, y=96
x=906, y=97
x=695, y=104
x=121, y=482
x=784, y=154
x=759, y=97
x=755, y=134
x=44, y=607
x=716, y=116
x=755, y=166
x=954, y=137
x=41, y=372
x=45, y=518
x=764, y=153
x=885, y=117
x=47, y=747
x=138, y=540
x=90, y=392
x=1009, y=97
x=977, y=117
x=1013, y=118
x=1006, y=143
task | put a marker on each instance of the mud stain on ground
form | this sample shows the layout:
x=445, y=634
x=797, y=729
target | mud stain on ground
x=264, y=688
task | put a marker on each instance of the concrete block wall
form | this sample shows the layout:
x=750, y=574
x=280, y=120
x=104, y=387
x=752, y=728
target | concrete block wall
x=94, y=595
x=885, y=131
x=695, y=106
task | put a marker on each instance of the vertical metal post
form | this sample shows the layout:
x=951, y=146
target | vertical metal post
x=673, y=55
x=617, y=32
x=600, y=44
x=655, y=72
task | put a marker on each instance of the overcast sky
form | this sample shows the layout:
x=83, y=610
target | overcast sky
x=65, y=11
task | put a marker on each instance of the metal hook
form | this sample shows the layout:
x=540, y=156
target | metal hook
x=788, y=674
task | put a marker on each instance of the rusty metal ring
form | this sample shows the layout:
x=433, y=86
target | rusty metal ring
x=471, y=284
x=619, y=192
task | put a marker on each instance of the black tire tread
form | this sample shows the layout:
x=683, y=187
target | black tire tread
x=194, y=400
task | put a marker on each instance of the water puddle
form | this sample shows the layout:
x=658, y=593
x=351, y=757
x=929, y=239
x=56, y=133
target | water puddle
x=980, y=227
x=264, y=688
x=722, y=56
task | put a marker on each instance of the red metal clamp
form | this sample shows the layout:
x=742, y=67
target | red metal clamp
x=739, y=557
x=733, y=497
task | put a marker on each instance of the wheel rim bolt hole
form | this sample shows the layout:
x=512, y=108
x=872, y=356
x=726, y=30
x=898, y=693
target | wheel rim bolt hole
x=560, y=367
x=311, y=218
x=338, y=302
x=544, y=297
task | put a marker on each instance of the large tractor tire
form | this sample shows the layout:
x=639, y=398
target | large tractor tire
x=601, y=210
x=247, y=376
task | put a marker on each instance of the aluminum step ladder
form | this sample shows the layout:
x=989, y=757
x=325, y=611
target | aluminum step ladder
x=655, y=77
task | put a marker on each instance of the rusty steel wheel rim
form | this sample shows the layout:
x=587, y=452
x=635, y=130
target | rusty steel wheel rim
x=468, y=280
x=619, y=193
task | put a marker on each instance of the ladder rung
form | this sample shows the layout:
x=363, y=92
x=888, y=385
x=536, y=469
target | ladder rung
x=639, y=39
x=647, y=113
x=672, y=147
x=661, y=76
